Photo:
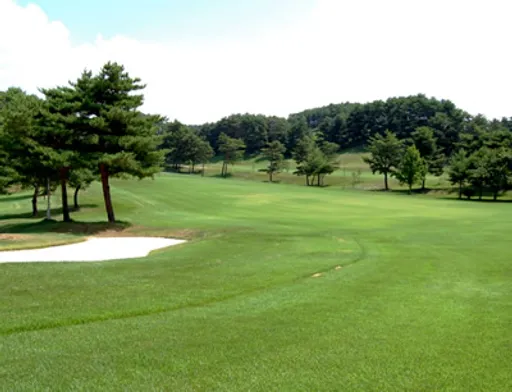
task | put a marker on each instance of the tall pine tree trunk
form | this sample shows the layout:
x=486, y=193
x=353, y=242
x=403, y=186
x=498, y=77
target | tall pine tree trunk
x=106, y=193
x=460, y=190
x=75, y=198
x=423, y=185
x=386, y=186
x=34, y=200
x=63, y=185
x=202, y=171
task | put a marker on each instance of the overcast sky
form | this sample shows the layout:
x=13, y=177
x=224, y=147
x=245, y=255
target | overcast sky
x=203, y=60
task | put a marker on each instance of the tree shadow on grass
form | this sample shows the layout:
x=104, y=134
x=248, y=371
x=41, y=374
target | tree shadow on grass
x=228, y=175
x=477, y=200
x=416, y=191
x=41, y=213
x=73, y=228
x=444, y=194
x=10, y=198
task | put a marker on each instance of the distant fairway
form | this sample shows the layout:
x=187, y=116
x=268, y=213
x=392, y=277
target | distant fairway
x=280, y=288
x=350, y=164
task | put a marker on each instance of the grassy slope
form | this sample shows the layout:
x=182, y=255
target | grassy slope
x=423, y=301
x=350, y=162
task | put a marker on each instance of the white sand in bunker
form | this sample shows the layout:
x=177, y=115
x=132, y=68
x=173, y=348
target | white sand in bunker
x=94, y=249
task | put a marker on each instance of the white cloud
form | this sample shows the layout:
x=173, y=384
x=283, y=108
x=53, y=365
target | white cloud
x=346, y=50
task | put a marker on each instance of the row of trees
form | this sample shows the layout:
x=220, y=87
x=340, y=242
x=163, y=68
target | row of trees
x=314, y=158
x=485, y=169
x=388, y=153
x=90, y=129
x=481, y=162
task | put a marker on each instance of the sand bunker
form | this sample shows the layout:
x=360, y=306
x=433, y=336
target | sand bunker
x=94, y=249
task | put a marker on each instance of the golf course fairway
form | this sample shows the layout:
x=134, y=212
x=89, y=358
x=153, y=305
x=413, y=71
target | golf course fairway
x=278, y=288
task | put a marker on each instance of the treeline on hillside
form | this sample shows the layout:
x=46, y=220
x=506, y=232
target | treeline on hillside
x=437, y=129
x=348, y=124
x=352, y=125
x=91, y=129
x=184, y=146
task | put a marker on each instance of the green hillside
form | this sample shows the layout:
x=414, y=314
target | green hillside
x=353, y=173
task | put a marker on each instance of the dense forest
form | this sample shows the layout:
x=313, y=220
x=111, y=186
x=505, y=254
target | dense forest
x=94, y=129
x=352, y=124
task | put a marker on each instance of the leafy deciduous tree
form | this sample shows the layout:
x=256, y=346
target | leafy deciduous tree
x=424, y=140
x=315, y=165
x=385, y=155
x=411, y=169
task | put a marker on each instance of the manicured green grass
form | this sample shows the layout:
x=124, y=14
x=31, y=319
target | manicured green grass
x=353, y=173
x=350, y=163
x=257, y=299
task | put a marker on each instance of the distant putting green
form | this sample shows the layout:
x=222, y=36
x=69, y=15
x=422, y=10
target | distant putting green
x=279, y=288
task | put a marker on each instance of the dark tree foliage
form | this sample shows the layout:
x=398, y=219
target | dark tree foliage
x=490, y=169
x=352, y=125
x=458, y=170
x=30, y=158
x=183, y=146
x=254, y=130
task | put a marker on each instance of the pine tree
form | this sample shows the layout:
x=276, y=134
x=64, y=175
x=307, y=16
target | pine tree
x=274, y=153
x=233, y=150
x=111, y=131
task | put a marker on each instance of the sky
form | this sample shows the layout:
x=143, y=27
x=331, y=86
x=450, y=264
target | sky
x=203, y=60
